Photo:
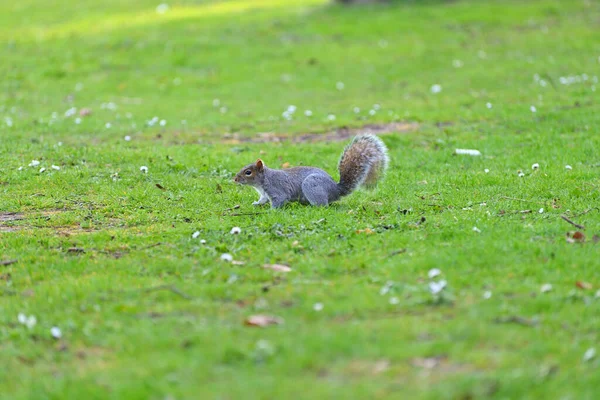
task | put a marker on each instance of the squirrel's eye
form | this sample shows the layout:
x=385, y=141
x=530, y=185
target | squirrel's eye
x=248, y=172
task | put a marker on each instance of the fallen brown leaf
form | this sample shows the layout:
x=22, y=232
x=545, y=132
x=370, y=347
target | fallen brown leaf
x=428, y=362
x=262, y=320
x=285, y=165
x=575, y=237
x=583, y=285
x=277, y=267
x=366, y=231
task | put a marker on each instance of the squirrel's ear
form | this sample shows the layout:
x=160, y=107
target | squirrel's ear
x=260, y=165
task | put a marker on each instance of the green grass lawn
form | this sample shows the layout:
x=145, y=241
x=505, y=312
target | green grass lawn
x=127, y=265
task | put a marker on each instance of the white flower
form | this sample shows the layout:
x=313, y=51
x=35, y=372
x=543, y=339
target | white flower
x=535, y=166
x=468, y=152
x=195, y=235
x=55, y=332
x=476, y=229
x=216, y=103
x=162, y=8
x=144, y=169
x=340, y=86
x=59, y=144
x=533, y=109
x=488, y=105
x=521, y=174
x=376, y=106
x=77, y=120
x=436, y=88
x=541, y=211
x=55, y=167
x=202, y=241
x=34, y=163
x=127, y=138
x=318, y=306
x=291, y=109
x=331, y=117
x=437, y=287
x=457, y=63
x=108, y=125
x=162, y=122
x=22, y=318
x=227, y=257
x=372, y=112
x=487, y=294
x=356, y=110
x=79, y=87
x=153, y=121
x=386, y=288
x=235, y=230
x=20, y=169
x=223, y=110
x=546, y=287
x=308, y=113
x=42, y=170
x=589, y=354
x=568, y=167
x=394, y=300
x=486, y=170
x=31, y=321
x=433, y=273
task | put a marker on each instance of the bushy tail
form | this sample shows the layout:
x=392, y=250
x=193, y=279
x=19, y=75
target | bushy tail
x=363, y=163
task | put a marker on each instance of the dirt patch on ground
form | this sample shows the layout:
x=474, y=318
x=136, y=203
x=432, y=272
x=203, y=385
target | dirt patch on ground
x=7, y=219
x=337, y=135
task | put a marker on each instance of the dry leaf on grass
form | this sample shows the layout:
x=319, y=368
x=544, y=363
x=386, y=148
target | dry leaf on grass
x=428, y=362
x=277, y=267
x=285, y=165
x=575, y=237
x=583, y=285
x=262, y=320
x=366, y=231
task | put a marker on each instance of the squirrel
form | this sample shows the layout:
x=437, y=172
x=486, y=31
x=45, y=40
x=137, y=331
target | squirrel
x=363, y=163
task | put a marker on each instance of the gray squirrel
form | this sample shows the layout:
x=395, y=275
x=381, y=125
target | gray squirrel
x=363, y=163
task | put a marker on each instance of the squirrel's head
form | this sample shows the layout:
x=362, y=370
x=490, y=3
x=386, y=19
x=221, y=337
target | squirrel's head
x=252, y=174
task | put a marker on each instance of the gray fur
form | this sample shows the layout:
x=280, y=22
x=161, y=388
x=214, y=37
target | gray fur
x=362, y=163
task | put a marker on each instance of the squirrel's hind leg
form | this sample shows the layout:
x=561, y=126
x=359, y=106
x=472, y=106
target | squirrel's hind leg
x=319, y=189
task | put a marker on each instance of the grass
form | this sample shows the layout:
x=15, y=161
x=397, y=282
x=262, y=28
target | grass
x=148, y=311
